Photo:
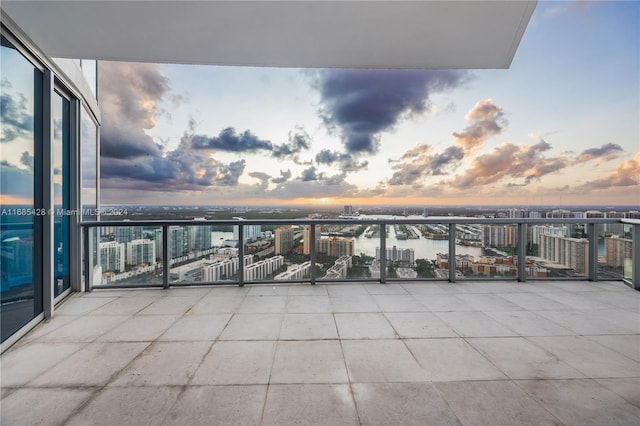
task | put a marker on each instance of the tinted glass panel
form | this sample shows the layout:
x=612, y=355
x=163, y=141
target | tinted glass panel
x=21, y=293
x=61, y=128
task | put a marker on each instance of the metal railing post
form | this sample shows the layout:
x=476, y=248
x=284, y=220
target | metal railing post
x=635, y=256
x=312, y=252
x=383, y=253
x=241, y=255
x=522, y=252
x=593, y=252
x=166, y=261
x=85, y=246
x=452, y=252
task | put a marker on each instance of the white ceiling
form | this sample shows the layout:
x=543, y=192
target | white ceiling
x=303, y=33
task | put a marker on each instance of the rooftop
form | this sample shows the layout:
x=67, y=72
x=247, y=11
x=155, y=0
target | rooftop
x=548, y=352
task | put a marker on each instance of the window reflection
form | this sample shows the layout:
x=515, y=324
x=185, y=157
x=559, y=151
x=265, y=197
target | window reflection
x=61, y=128
x=21, y=295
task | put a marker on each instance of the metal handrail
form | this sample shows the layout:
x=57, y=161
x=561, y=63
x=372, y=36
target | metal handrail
x=521, y=223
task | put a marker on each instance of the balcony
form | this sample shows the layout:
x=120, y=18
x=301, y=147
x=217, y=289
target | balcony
x=476, y=352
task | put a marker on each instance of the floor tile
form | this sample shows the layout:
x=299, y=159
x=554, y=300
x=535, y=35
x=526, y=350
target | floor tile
x=139, y=328
x=419, y=325
x=628, y=388
x=401, y=404
x=93, y=365
x=493, y=403
x=252, y=327
x=346, y=290
x=520, y=359
x=262, y=305
x=77, y=304
x=452, y=359
x=196, y=327
x=214, y=304
x=628, y=345
x=164, y=364
x=423, y=289
x=582, y=402
x=22, y=364
x=218, y=405
x=45, y=406
x=488, y=302
x=589, y=357
x=364, y=326
x=308, y=304
x=474, y=324
x=535, y=302
x=381, y=361
x=170, y=306
x=309, y=404
x=309, y=362
x=444, y=303
x=526, y=323
x=361, y=303
x=308, y=327
x=384, y=289
x=127, y=406
x=307, y=290
x=584, y=322
x=236, y=363
x=268, y=290
x=85, y=329
x=399, y=303
x=124, y=306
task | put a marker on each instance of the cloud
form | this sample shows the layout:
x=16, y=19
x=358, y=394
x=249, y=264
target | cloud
x=129, y=97
x=345, y=162
x=26, y=159
x=525, y=162
x=419, y=162
x=299, y=140
x=229, y=140
x=285, y=175
x=262, y=177
x=364, y=103
x=606, y=152
x=626, y=174
x=486, y=119
x=311, y=174
x=15, y=181
x=16, y=118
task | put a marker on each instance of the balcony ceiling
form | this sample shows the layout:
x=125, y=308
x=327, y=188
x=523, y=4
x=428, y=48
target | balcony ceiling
x=353, y=34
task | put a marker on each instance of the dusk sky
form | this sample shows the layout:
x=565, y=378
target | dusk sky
x=561, y=126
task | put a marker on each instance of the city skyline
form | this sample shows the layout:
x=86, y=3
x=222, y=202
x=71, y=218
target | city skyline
x=558, y=127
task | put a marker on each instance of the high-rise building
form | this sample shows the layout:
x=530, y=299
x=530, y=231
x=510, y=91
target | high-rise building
x=112, y=256
x=335, y=246
x=398, y=255
x=176, y=242
x=500, y=235
x=347, y=210
x=141, y=251
x=199, y=237
x=571, y=252
x=251, y=232
x=261, y=269
x=557, y=230
x=295, y=272
x=339, y=269
x=617, y=250
x=283, y=239
x=306, y=243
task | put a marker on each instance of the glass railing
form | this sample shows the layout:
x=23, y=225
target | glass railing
x=132, y=253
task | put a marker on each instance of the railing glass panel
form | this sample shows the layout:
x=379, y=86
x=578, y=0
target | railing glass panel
x=346, y=251
x=557, y=250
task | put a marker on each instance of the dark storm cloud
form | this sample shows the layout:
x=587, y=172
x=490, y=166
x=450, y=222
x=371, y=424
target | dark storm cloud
x=606, y=152
x=299, y=141
x=285, y=175
x=229, y=140
x=364, y=103
x=485, y=119
x=15, y=116
x=311, y=174
x=345, y=162
x=129, y=98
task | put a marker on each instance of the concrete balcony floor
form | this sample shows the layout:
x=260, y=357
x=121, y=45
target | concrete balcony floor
x=489, y=353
